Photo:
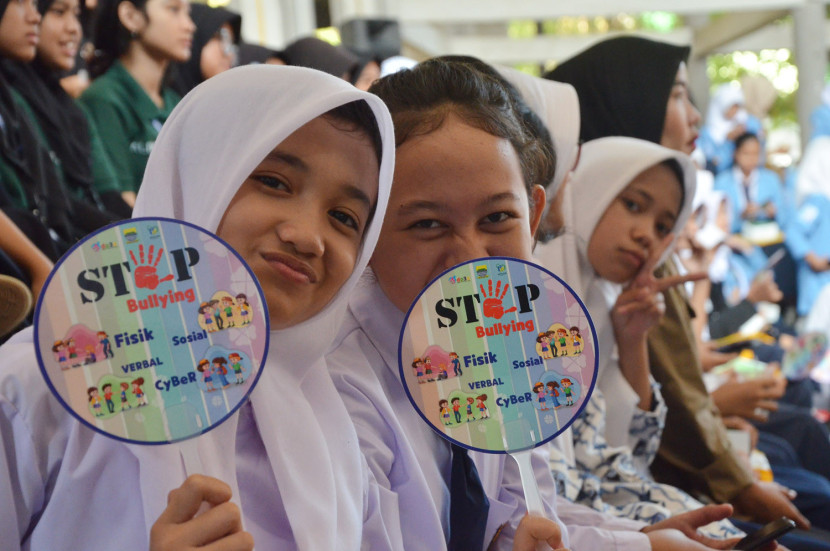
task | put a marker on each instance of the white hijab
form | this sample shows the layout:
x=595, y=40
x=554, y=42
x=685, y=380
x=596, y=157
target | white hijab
x=719, y=268
x=725, y=96
x=207, y=148
x=606, y=167
x=814, y=172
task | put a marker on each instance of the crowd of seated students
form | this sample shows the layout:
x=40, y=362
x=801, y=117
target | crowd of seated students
x=653, y=445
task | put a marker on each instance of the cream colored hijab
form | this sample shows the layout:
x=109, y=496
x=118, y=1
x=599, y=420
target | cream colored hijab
x=207, y=148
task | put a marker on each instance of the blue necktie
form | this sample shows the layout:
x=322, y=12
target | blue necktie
x=468, y=504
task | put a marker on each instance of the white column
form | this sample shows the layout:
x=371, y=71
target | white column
x=811, y=57
x=275, y=23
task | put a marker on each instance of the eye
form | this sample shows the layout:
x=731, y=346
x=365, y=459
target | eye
x=630, y=205
x=272, y=182
x=496, y=217
x=427, y=224
x=345, y=218
x=663, y=229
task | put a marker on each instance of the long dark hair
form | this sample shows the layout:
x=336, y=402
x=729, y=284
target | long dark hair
x=111, y=37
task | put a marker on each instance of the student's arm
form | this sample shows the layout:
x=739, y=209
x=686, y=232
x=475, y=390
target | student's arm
x=179, y=526
x=15, y=243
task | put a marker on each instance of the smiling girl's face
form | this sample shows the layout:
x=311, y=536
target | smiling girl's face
x=298, y=219
x=458, y=194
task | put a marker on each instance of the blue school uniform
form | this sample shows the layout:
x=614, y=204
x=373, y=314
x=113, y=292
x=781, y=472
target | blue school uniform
x=720, y=156
x=809, y=231
x=767, y=189
x=820, y=121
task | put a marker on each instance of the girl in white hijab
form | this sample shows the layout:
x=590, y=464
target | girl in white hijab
x=808, y=231
x=726, y=119
x=820, y=117
x=293, y=168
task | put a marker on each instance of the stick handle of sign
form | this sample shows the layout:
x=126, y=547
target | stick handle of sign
x=193, y=465
x=533, y=499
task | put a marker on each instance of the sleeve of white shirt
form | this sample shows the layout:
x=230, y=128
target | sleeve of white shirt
x=589, y=530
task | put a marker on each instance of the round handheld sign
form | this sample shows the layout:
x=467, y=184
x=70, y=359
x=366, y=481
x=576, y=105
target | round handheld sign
x=151, y=331
x=498, y=355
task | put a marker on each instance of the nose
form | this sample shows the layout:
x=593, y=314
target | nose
x=693, y=114
x=32, y=15
x=644, y=234
x=464, y=247
x=303, y=232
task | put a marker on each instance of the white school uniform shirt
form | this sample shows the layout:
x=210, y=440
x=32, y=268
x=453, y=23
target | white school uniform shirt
x=412, y=463
x=291, y=456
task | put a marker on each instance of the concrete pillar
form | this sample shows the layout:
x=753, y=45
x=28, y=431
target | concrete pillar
x=698, y=77
x=809, y=30
x=275, y=23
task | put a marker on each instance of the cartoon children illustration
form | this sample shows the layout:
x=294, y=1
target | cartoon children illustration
x=566, y=388
x=456, y=407
x=428, y=368
x=227, y=309
x=217, y=314
x=104, y=340
x=219, y=368
x=206, y=311
x=442, y=372
x=244, y=308
x=107, y=388
x=470, y=416
x=94, y=400
x=418, y=365
x=90, y=354
x=544, y=343
x=207, y=374
x=576, y=339
x=482, y=407
x=59, y=348
x=139, y=392
x=553, y=393
x=73, y=353
x=539, y=389
x=236, y=364
x=124, y=403
x=552, y=338
x=444, y=410
x=562, y=335
x=456, y=364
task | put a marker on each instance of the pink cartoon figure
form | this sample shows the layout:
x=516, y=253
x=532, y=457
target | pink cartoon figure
x=566, y=389
x=482, y=407
x=95, y=401
x=541, y=395
x=244, y=308
x=207, y=374
x=543, y=340
x=444, y=411
x=418, y=366
x=139, y=392
x=206, y=311
x=59, y=348
x=236, y=364
x=576, y=339
x=74, y=361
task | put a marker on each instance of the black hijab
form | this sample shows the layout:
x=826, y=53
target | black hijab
x=624, y=85
x=208, y=21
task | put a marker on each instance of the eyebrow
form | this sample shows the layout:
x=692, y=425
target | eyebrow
x=650, y=199
x=436, y=206
x=351, y=191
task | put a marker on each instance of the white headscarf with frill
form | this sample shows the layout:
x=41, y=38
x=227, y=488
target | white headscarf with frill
x=207, y=148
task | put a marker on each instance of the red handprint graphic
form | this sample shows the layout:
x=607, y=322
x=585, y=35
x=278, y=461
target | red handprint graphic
x=145, y=275
x=492, y=302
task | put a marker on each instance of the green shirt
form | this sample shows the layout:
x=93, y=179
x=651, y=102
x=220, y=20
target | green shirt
x=127, y=121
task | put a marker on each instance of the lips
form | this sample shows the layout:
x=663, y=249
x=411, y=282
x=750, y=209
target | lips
x=635, y=258
x=291, y=268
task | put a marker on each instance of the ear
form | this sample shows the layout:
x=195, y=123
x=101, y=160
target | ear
x=537, y=207
x=131, y=17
